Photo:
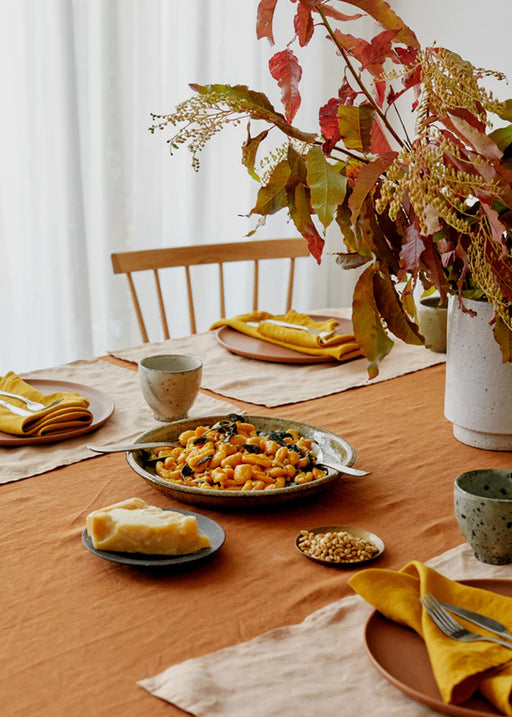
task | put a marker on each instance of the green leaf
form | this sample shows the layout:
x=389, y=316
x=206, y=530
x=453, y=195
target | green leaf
x=504, y=338
x=249, y=151
x=506, y=112
x=328, y=186
x=391, y=310
x=272, y=197
x=256, y=104
x=369, y=332
x=355, y=126
x=502, y=137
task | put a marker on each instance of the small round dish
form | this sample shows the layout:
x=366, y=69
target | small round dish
x=207, y=526
x=353, y=531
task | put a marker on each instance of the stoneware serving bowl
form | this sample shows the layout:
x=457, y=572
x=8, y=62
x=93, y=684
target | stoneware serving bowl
x=334, y=450
x=483, y=508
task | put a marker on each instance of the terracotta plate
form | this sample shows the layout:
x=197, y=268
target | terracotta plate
x=334, y=450
x=250, y=347
x=101, y=406
x=207, y=526
x=399, y=654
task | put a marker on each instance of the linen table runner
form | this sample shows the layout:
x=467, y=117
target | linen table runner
x=131, y=417
x=275, y=384
x=295, y=670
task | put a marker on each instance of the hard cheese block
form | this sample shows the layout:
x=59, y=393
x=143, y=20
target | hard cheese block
x=133, y=526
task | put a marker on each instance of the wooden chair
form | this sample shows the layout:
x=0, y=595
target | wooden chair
x=186, y=256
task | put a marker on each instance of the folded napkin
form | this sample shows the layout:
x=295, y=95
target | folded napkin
x=460, y=669
x=340, y=347
x=71, y=412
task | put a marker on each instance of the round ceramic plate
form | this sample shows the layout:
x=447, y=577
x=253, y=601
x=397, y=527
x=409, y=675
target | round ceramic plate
x=100, y=405
x=356, y=532
x=207, y=526
x=252, y=347
x=400, y=655
x=334, y=450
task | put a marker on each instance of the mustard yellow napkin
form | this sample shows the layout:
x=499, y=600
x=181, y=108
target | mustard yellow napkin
x=460, y=669
x=340, y=347
x=71, y=412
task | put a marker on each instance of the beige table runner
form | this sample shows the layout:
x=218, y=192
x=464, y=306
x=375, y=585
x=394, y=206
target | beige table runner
x=276, y=384
x=318, y=667
x=131, y=417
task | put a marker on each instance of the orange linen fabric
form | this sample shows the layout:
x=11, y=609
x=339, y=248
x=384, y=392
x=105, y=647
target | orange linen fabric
x=78, y=632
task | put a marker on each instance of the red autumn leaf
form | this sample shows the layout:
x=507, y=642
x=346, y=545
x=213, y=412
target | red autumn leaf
x=285, y=69
x=303, y=23
x=497, y=228
x=300, y=212
x=337, y=15
x=388, y=19
x=347, y=94
x=264, y=19
x=379, y=142
x=411, y=249
x=392, y=312
x=376, y=52
x=366, y=179
x=355, y=46
x=328, y=119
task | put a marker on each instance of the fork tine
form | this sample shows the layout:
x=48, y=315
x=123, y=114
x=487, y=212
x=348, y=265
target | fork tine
x=442, y=611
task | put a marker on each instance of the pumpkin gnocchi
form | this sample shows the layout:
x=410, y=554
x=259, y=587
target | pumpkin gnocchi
x=233, y=455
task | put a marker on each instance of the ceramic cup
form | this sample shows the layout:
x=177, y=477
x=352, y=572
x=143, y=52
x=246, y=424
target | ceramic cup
x=483, y=508
x=170, y=384
x=432, y=320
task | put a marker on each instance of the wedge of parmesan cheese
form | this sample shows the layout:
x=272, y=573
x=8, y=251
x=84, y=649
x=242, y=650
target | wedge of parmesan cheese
x=133, y=526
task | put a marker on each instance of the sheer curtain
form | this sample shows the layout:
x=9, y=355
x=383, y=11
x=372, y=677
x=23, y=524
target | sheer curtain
x=81, y=176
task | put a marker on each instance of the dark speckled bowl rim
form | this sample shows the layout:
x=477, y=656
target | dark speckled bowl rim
x=341, y=452
x=463, y=491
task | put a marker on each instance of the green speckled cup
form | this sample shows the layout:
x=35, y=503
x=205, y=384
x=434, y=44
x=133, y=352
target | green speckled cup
x=483, y=508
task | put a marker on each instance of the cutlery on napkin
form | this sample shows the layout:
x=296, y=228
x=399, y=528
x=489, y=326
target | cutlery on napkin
x=71, y=411
x=460, y=669
x=296, y=331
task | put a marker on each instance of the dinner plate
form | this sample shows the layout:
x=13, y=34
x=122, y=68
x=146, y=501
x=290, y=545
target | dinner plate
x=207, y=526
x=100, y=405
x=400, y=655
x=334, y=450
x=251, y=347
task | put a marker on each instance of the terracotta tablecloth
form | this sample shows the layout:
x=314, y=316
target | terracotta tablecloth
x=78, y=632
x=275, y=384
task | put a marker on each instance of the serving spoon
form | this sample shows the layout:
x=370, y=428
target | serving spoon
x=123, y=448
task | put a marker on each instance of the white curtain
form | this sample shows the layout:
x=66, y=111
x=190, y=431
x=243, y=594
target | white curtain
x=81, y=176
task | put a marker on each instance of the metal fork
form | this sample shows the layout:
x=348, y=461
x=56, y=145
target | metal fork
x=32, y=405
x=451, y=627
x=23, y=411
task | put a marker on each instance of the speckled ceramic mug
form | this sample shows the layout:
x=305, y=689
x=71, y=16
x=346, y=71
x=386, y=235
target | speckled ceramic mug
x=483, y=508
x=170, y=383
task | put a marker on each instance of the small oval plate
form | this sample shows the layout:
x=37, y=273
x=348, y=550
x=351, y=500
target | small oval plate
x=356, y=532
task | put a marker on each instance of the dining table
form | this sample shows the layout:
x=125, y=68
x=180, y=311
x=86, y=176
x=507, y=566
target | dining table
x=81, y=635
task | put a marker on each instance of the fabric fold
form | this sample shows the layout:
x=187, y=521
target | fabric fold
x=71, y=412
x=258, y=324
x=460, y=669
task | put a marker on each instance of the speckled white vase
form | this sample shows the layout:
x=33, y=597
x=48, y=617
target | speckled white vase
x=170, y=384
x=478, y=392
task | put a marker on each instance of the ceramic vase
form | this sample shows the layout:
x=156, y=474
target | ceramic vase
x=478, y=392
